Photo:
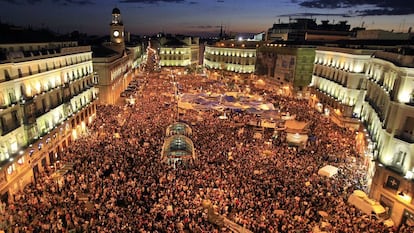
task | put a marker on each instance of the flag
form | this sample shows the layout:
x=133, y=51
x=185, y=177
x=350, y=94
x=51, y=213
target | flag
x=392, y=183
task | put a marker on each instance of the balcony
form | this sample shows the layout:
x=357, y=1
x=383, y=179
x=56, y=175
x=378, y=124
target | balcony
x=411, y=103
x=9, y=126
x=376, y=108
x=330, y=79
x=55, y=104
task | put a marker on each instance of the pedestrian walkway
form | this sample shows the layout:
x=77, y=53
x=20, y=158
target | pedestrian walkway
x=234, y=227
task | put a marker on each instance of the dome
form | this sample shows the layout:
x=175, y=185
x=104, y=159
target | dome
x=116, y=11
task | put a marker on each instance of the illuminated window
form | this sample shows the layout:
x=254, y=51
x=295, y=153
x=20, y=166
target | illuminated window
x=3, y=156
x=10, y=169
x=399, y=158
x=14, y=147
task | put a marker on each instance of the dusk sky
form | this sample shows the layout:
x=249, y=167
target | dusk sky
x=202, y=16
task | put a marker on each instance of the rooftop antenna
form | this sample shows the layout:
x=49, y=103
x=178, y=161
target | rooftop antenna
x=403, y=25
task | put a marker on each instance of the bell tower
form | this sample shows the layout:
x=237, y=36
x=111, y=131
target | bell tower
x=117, y=31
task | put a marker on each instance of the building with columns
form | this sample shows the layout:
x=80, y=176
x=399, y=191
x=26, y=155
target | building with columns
x=339, y=83
x=232, y=56
x=375, y=88
x=47, y=98
x=179, y=51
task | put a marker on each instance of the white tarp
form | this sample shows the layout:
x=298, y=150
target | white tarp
x=297, y=139
x=328, y=171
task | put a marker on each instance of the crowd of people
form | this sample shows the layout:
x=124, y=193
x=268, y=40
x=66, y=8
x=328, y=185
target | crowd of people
x=119, y=184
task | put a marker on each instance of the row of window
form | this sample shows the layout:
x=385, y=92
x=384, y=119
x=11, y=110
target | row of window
x=120, y=70
x=173, y=52
x=331, y=74
x=230, y=54
x=8, y=97
x=51, y=140
x=173, y=57
x=336, y=92
x=339, y=63
x=382, y=76
x=39, y=67
x=232, y=68
x=243, y=62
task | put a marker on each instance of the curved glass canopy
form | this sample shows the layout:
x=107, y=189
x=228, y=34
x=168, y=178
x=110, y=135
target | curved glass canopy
x=179, y=128
x=178, y=147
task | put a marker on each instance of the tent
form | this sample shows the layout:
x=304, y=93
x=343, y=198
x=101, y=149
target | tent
x=328, y=171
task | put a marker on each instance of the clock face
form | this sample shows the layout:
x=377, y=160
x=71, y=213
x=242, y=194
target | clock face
x=116, y=33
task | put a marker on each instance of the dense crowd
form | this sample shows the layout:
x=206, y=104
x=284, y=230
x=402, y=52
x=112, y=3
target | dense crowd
x=118, y=184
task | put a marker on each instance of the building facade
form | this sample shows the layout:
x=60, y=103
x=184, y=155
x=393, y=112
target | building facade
x=114, y=63
x=339, y=83
x=115, y=73
x=47, y=97
x=179, y=51
x=379, y=34
x=136, y=54
x=307, y=29
x=388, y=113
x=377, y=88
x=233, y=56
x=288, y=67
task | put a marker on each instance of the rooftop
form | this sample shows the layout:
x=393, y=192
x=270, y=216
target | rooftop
x=102, y=51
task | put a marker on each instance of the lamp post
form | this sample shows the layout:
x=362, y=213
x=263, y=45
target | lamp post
x=176, y=95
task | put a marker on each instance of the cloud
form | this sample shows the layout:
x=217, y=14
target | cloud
x=60, y=2
x=313, y=14
x=364, y=7
x=205, y=26
x=77, y=2
x=154, y=1
x=21, y=2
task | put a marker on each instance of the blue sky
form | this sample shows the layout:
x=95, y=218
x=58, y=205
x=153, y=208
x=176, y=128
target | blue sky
x=202, y=16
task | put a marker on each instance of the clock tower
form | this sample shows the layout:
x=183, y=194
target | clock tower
x=117, y=31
